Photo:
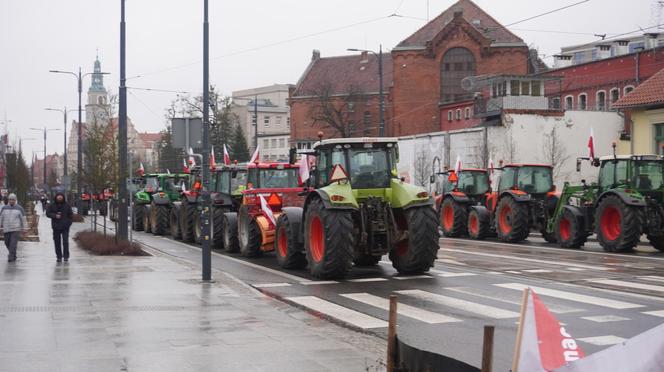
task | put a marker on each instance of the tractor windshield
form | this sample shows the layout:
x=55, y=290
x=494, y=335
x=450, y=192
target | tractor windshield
x=238, y=181
x=648, y=175
x=172, y=184
x=278, y=178
x=534, y=180
x=473, y=182
x=370, y=167
x=151, y=184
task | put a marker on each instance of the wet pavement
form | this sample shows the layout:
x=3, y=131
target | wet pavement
x=153, y=314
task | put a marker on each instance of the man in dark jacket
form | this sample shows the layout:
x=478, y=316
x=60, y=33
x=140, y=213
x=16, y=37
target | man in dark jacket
x=61, y=217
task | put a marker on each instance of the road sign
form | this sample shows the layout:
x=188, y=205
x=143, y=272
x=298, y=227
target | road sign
x=187, y=132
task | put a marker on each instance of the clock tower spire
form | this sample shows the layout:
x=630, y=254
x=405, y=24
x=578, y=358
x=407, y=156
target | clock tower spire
x=97, y=108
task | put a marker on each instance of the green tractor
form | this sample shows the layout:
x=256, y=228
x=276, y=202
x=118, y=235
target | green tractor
x=151, y=205
x=627, y=201
x=356, y=210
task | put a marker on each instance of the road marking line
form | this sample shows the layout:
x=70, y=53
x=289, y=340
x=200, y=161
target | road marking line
x=402, y=309
x=271, y=285
x=453, y=262
x=449, y=274
x=466, y=306
x=320, y=282
x=412, y=277
x=513, y=272
x=527, y=259
x=571, y=296
x=366, y=280
x=658, y=313
x=653, y=278
x=602, y=340
x=554, y=308
x=537, y=271
x=620, y=283
x=604, y=318
x=338, y=312
x=576, y=269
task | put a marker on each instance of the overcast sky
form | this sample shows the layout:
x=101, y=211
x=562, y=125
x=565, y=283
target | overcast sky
x=252, y=43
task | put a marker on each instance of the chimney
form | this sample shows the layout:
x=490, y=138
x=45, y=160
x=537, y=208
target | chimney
x=315, y=55
x=603, y=51
x=562, y=60
x=622, y=47
x=364, y=57
x=650, y=41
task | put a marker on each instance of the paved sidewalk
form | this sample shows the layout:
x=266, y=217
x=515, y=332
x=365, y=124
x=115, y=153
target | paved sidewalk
x=153, y=314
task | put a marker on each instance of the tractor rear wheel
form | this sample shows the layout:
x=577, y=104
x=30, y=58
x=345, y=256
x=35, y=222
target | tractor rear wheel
x=453, y=218
x=187, y=216
x=137, y=211
x=511, y=220
x=417, y=253
x=618, y=226
x=159, y=219
x=570, y=230
x=478, y=225
x=218, y=228
x=657, y=241
x=147, y=225
x=175, y=222
x=328, y=241
x=289, y=251
x=250, y=235
x=231, y=243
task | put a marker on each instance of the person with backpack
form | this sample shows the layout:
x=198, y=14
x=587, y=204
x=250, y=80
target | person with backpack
x=61, y=216
x=12, y=223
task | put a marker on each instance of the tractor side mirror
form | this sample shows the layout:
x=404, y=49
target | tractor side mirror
x=578, y=165
x=292, y=155
x=432, y=179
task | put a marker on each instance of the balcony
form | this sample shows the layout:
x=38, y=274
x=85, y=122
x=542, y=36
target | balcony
x=484, y=107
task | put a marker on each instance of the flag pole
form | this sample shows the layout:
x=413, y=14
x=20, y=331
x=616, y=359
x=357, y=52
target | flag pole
x=519, y=331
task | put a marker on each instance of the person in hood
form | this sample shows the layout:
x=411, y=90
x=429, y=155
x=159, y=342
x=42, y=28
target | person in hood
x=12, y=223
x=61, y=217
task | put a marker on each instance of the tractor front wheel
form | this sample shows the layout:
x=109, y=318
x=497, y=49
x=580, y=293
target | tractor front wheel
x=174, y=222
x=288, y=250
x=147, y=225
x=417, y=253
x=231, y=243
x=137, y=218
x=217, y=228
x=478, y=225
x=618, y=225
x=187, y=218
x=570, y=230
x=328, y=241
x=511, y=220
x=453, y=218
x=250, y=236
x=657, y=241
x=159, y=219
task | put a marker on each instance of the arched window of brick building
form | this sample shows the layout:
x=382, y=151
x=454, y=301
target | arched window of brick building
x=457, y=64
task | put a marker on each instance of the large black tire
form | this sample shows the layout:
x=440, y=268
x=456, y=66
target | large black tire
x=187, y=219
x=617, y=225
x=657, y=241
x=478, y=225
x=365, y=260
x=418, y=252
x=453, y=218
x=217, y=228
x=570, y=230
x=160, y=219
x=511, y=220
x=549, y=237
x=231, y=243
x=147, y=223
x=249, y=234
x=328, y=241
x=137, y=211
x=289, y=251
x=174, y=222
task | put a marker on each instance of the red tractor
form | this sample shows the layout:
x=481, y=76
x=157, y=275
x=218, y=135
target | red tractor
x=270, y=187
x=525, y=200
x=458, y=194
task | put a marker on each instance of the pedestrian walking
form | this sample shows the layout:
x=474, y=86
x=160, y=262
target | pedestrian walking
x=61, y=217
x=12, y=223
x=44, y=203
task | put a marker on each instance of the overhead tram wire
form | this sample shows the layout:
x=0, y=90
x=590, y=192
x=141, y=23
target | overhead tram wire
x=547, y=13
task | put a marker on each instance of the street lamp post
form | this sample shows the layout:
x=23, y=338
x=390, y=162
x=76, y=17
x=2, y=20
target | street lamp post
x=45, y=130
x=381, y=97
x=64, y=112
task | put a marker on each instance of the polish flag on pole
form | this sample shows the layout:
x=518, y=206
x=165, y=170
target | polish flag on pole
x=267, y=211
x=192, y=160
x=591, y=145
x=457, y=166
x=185, y=167
x=141, y=170
x=213, y=161
x=255, y=158
x=542, y=344
x=304, y=169
x=227, y=158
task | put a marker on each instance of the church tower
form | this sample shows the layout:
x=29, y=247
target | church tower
x=97, y=108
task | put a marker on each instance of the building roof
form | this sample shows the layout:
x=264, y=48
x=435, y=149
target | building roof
x=473, y=14
x=150, y=137
x=344, y=72
x=649, y=93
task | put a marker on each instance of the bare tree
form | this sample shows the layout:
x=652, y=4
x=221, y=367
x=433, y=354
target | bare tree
x=555, y=152
x=508, y=150
x=423, y=166
x=338, y=111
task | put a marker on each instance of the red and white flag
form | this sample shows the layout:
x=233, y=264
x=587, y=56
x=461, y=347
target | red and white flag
x=227, y=158
x=591, y=145
x=213, y=161
x=267, y=211
x=457, y=166
x=304, y=169
x=192, y=160
x=641, y=353
x=543, y=343
x=185, y=167
x=183, y=186
x=255, y=158
x=141, y=170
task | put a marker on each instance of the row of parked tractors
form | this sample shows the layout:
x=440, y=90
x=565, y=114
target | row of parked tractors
x=626, y=201
x=349, y=211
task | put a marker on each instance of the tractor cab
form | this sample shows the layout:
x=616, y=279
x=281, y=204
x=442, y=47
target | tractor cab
x=643, y=173
x=533, y=179
x=228, y=182
x=272, y=176
x=472, y=182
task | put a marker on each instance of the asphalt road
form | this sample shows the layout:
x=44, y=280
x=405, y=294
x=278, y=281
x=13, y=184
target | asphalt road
x=602, y=298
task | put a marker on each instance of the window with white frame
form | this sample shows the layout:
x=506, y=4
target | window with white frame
x=449, y=115
x=583, y=101
x=266, y=121
x=569, y=103
x=274, y=143
x=278, y=120
x=600, y=99
x=458, y=114
x=467, y=116
x=266, y=144
x=288, y=121
x=282, y=143
x=615, y=95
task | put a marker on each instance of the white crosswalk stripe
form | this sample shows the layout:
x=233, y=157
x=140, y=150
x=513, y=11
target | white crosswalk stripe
x=653, y=278
x=463, y=305
x=338, y=312
x=366, y=280
x=633, y=285
x=320, y=282
x=604, y=318
x=602, y=340
x=534, y=260
x=449, y=274
x=657, y=313
x=402, y=309
x=271, y=285
x=571, y=296
x=412, y=277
